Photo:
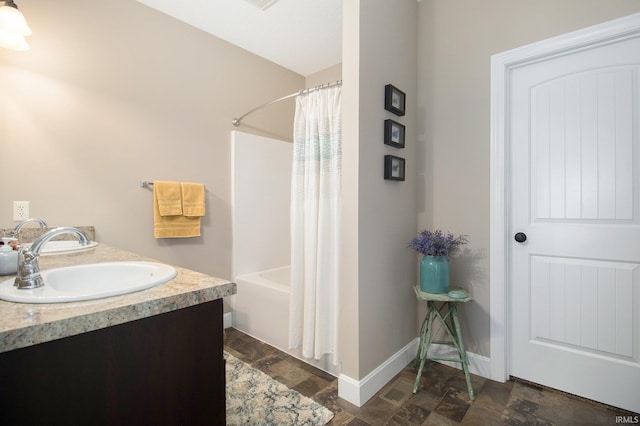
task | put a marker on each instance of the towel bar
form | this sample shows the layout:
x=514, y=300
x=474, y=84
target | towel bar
x=146, y=184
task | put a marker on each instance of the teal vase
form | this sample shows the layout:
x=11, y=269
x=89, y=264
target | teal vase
x=434, y=274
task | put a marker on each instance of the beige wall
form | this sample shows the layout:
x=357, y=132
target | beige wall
x=114, y=92
x=456, y=40
x=349, y=271
x=379, y=216
x=329, y=75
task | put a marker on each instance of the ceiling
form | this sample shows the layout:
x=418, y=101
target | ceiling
x=304, y=36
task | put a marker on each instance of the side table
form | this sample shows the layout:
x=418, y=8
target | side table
x=444, y=309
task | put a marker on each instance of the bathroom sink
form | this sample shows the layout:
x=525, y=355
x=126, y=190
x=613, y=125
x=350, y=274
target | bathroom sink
x=63, y=246
x=93, y=281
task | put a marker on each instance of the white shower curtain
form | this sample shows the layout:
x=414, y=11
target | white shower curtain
x=315, y=225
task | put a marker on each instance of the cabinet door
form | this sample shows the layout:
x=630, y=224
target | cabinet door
x=165, y=369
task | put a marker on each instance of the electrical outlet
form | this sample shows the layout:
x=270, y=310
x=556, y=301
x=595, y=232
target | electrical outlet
x=20, y=210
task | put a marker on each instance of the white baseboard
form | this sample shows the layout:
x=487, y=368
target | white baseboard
x=478, y=364
x=227, y=320
x=358, y=392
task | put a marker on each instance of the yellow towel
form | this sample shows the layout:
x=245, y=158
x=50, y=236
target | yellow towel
x=168, y=196
x=175, y=226
x=192, y=199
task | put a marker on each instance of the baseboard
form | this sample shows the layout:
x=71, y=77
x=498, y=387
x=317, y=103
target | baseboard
x=227, y=320
x=478, y=364
x=358, y=392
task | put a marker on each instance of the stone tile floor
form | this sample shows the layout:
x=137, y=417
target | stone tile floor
x=441, y=400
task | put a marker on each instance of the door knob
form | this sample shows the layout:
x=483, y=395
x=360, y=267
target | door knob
x=521, y=237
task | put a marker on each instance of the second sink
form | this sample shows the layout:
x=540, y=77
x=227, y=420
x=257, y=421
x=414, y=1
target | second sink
x=63, y=246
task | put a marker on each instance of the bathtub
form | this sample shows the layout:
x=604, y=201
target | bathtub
x=261, y=305
x=261, y=310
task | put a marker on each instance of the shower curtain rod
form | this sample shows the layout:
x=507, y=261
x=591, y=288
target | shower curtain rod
x=236, y=121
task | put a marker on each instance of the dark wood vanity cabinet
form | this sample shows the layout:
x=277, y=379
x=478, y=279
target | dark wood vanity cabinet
x=166, y=369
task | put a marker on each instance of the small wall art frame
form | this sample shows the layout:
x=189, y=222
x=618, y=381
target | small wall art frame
x=394, y=100
x=393, y=134
x=393, y=167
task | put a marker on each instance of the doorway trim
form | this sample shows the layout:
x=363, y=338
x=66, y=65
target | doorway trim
x=500, y=239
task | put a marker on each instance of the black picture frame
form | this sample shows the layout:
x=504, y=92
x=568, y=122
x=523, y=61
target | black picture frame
x=394, y=100
x=393, y=167
x=393, y=133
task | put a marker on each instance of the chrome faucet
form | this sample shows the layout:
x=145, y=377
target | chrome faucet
x=28, y=267
x=24, y=222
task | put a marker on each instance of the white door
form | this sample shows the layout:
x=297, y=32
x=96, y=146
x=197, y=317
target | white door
x=575, y=193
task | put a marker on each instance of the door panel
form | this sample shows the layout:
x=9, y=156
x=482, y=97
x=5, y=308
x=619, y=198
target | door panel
x=574, y=287
x=585, y=305
x=582, y=146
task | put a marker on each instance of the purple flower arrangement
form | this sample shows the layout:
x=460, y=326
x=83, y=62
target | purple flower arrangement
x=437, y=243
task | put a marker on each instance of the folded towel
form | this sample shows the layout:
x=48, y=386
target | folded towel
x=175, y=225
x=192, y=199
x=168, y=196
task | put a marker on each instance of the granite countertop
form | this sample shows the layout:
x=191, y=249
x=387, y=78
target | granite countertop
x=23, y=324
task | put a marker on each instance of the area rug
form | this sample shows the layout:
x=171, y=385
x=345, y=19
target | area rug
x=254, y=398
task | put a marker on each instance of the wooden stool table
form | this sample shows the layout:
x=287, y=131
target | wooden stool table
x=443, y=308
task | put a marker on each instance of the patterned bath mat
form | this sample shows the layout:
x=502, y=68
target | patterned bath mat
x=254, y=398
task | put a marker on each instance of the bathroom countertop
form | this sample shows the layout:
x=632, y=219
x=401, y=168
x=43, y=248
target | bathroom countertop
x=23, y=324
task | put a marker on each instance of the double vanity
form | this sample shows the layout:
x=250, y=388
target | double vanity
x=152, y=356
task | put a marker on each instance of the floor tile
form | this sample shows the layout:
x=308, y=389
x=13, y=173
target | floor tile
x=358, y=422
x=494, y=396
x=414, y=414
x=454, y=405
x=398, y=391
x=377, y=411
x=288, y=372
x=425, y=400
x=436, y=419
x=311, y=385
x=586, y=413
x=480, y=416
x=342, y=419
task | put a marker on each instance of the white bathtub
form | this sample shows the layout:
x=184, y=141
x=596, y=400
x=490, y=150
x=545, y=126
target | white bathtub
x=261, y=306
x=261, y=310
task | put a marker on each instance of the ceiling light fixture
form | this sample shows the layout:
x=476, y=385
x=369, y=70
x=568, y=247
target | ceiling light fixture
x=13, y=27
x=262, y=4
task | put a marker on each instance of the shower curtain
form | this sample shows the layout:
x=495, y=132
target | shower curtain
x=315, y=225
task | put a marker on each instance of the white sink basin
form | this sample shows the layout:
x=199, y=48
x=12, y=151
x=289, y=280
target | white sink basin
x=93, y=281
x=63, y=246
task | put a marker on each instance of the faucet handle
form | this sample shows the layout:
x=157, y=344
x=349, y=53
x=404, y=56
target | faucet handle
x=26, y=254
x=28, y=276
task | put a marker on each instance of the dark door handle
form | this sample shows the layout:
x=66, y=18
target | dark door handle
x=521, y=237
